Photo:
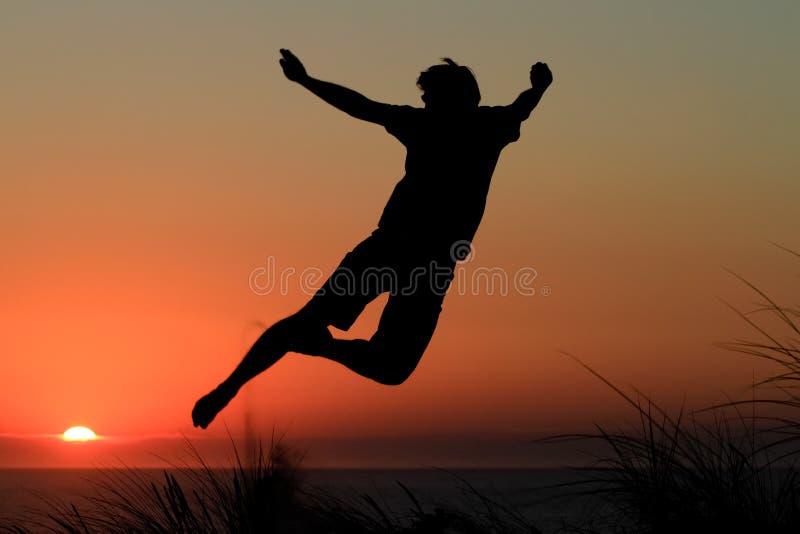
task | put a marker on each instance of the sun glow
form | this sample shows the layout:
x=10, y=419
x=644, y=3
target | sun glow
x=79, y=433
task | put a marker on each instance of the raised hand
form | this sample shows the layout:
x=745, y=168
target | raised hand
x=541, y=77
x=292, y=67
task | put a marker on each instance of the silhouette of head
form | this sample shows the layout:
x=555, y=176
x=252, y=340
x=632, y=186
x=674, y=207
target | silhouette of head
x=449, y=86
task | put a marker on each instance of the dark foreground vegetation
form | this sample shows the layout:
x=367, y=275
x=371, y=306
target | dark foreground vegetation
x=728, y=468
x=264, y=493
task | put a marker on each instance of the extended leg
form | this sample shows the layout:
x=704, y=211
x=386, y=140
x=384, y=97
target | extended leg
x=300, y=331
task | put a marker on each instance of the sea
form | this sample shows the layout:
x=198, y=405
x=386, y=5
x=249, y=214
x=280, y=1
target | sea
x=539, y=495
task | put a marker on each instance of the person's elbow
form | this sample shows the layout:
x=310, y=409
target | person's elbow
x=520, y=112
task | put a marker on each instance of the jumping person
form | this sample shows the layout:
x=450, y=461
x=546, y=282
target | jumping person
x=433, y=213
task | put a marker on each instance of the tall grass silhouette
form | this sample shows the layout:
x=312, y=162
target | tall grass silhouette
x=265, y=494
x=728, y=468
x=253, y=496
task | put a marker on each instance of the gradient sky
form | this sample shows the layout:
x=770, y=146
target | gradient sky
x=153, y=156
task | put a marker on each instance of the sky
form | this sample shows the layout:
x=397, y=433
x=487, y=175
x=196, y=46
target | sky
x=155, y=163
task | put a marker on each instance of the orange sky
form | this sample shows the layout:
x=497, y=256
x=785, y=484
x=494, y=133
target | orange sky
x=153, y=157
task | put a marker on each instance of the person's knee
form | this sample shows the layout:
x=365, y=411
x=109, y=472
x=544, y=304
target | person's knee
x=395, y=377
x=397, y=364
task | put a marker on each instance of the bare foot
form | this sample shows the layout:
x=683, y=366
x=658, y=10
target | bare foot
x=207, y=408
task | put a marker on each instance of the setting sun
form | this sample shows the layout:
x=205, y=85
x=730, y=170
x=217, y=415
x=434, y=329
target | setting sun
x=79, y=433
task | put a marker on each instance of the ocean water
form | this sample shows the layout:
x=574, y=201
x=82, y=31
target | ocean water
x=524, y=490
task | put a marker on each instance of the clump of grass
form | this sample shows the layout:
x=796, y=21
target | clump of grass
x=712, y=470
x=264, y=495
x=684, y=473
x=257, y=496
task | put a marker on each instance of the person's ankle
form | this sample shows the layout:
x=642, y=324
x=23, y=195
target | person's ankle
x=228, y=389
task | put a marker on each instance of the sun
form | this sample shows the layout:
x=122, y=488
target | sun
x=79, y=433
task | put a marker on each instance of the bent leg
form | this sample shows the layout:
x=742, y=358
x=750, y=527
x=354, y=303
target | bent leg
x=393, y=352
x=301, y=331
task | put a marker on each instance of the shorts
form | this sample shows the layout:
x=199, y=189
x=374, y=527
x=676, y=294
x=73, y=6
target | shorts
x=416, y=278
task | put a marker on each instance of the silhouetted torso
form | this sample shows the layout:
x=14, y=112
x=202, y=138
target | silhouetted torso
x=449, y=165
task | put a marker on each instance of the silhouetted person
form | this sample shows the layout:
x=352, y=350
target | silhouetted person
x=452, y=149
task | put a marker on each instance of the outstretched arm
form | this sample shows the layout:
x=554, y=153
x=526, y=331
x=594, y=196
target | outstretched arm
x=347, y=100
x=541, y=78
